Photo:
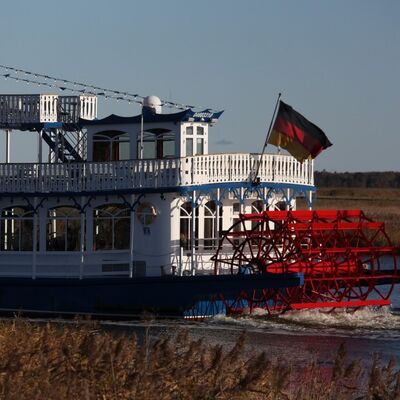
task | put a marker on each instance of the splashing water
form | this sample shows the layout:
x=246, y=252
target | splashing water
x=367, y=320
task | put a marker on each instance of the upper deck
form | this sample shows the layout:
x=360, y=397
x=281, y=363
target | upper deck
x=170, y=174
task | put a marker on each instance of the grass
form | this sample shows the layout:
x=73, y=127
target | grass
x=379, y=204
x=80, y=361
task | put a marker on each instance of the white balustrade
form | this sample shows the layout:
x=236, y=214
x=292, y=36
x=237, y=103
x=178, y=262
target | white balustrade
x=27, y=109
x=152, y=174
x=75, y=107
x=48, y=107
x=20, y=109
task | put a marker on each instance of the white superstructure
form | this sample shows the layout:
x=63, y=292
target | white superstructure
x=137, y=196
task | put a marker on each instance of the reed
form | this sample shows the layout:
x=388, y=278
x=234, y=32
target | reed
x=82, y=361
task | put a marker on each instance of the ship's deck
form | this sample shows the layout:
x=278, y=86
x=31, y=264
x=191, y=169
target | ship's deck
x=172, y=174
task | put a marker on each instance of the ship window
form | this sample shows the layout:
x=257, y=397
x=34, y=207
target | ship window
x=63, y=229
x=257, y=207
x=157, y=143
x=168, y=148
x=16, y=229
x=200, y=130
x=111, y=227
x=111, y=146
x=186, y=226
x=200, y=146
x=211, y=235
x=189, y=130
x=237, y=227
x=146, y=213
x=149, y=147
x=189, y=147
x=236, y=208
x=280, y=206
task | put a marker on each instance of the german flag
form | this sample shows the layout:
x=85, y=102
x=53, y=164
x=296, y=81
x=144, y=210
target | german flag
x=300, y=137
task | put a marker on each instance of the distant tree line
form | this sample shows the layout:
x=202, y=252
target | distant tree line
x=388, y=179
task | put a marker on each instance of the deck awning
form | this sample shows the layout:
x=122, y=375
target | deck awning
x=186, y=115
x=207, y=116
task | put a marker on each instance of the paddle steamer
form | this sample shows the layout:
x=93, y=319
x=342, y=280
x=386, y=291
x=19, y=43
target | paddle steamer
x=118, y=201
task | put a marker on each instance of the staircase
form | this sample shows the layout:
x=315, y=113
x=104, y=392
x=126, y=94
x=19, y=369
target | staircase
x=63, y=147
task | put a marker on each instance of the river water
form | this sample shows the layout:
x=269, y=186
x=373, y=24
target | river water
x=298, y=336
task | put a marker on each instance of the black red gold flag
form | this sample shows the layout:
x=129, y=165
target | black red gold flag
x=300, y=137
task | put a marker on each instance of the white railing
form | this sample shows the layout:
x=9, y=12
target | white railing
x=19, y=109
x=27, y=108
x=151, y=174
x=75, y=107
x=219, y=168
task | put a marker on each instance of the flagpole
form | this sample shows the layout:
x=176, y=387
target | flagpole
x=256, y=179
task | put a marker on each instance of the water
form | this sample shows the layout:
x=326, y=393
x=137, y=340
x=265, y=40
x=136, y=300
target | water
x=296, y=336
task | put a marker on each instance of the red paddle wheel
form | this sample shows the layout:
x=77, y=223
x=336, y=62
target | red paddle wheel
x=346, y=258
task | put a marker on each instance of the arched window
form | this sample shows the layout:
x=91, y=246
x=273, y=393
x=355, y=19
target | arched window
x=63, y=229
x=280, y=206
x=111, y=146
x=210, y=227
x=111, y=227
x=186, y=226
x=16, y=229
x=157, y=143
x=257, y=207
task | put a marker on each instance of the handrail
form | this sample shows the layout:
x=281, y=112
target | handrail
x=151, y=173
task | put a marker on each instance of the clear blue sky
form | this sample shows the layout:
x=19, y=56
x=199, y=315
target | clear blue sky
x=337, y=62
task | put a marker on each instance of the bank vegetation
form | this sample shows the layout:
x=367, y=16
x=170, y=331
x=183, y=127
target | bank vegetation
x=82, y=361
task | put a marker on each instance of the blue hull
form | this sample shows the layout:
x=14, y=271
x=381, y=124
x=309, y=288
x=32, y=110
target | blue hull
x=125, y=297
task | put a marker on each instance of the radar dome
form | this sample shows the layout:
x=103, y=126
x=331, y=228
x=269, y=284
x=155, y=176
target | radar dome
x=153, y=103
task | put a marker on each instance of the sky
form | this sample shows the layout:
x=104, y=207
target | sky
x=336, y=62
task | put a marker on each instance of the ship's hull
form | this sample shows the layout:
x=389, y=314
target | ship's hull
x=125, y=297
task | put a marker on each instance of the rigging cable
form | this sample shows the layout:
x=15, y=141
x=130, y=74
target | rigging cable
x=83, y=88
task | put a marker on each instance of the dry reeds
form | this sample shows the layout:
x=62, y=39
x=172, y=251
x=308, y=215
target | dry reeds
x=81, y=361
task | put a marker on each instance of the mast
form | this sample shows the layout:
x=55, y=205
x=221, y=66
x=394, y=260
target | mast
x=256, y=178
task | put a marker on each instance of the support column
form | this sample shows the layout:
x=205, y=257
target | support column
x=131, y=239
x=241, y=200
x=40, y=147
x=265, y=203
x=180, y=261
x=192, y=241
x=8, y=146
x=141, y=135
x=34, y=238
x=82, y=244
x=89, y=241
x=40, y=159
x=217, y=216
